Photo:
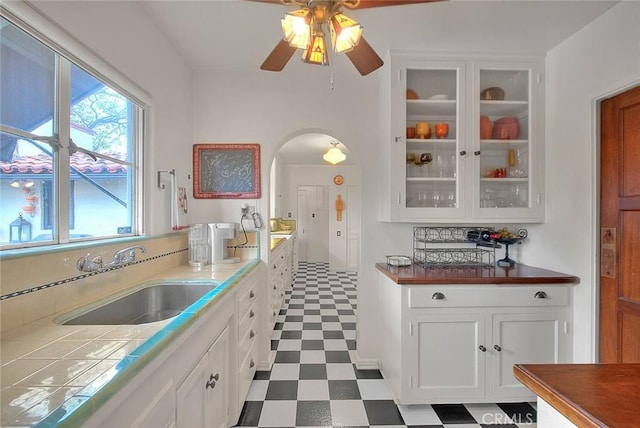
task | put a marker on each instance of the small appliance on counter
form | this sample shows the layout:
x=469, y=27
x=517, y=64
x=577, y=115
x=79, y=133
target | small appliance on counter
x=208, y=243
x=219, y=234
x=198, y=245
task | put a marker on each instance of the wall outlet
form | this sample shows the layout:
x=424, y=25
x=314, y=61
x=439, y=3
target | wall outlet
x=247, y=210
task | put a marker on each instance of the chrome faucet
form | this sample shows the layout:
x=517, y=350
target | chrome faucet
x=126, y=255
x=85, y=265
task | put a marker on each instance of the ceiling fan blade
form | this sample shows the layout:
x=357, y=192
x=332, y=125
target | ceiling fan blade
x=364, y=58
x=279, y=56
x=365, y=4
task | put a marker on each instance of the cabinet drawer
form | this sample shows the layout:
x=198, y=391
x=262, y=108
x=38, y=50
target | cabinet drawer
x=246, y=371
x=447, y=296
x=247, y=319
x=246, y=341
x=246, y=298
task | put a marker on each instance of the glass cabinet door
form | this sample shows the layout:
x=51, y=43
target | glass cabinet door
x=505, y=131
x=433, y=134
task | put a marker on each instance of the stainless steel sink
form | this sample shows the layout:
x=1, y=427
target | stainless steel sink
x=154, y=303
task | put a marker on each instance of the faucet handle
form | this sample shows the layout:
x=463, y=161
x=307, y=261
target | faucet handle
x=85, y=265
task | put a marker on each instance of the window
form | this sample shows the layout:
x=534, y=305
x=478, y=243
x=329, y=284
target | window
x=70, y=145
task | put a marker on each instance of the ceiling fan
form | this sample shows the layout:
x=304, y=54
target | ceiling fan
x=304, y=29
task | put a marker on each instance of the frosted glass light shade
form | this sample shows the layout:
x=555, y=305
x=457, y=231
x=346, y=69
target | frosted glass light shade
x=345, y=33
x=334, y=156
x=296, y=28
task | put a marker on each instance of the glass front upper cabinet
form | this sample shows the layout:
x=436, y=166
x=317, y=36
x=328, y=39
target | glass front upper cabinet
x=505, y=129
x=433, y=176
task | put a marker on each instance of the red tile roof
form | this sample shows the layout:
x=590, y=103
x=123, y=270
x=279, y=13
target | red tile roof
x=41, y=164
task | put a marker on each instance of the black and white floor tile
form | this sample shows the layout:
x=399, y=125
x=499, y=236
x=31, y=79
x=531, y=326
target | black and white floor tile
x=314, y=383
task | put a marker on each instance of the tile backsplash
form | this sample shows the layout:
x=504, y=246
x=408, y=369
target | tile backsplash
x=39, y=285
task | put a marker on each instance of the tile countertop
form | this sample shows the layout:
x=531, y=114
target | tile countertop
x=589, y=395
x=519, y=274
x=50, y=369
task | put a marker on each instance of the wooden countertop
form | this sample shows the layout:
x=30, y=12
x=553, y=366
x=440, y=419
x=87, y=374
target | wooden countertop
x=589, y=395
x=519, y=274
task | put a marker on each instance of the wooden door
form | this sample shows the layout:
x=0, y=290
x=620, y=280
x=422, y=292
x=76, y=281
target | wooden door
x=620, y=228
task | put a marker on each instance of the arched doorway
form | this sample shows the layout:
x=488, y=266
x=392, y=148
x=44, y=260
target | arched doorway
x=304, y=188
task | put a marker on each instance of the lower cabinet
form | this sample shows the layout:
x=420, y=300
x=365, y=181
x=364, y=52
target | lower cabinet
x=458, y=343
x=202, y=377
x=470, y=356
x=202, y=398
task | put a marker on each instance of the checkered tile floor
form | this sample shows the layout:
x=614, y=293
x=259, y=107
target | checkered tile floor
x=313, y=382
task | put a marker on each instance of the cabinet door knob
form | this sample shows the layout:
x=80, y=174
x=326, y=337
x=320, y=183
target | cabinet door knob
x=437, y=296
x=251, y=294
x=399, y=139
x=251, y=314
x=540, y=295
x=482, y=348
x=251, y=334
x=211, y=383
x=463, y=152
x=497, y=348
x=252, y=364
x=477, y=152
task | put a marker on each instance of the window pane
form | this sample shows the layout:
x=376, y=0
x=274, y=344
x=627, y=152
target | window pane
x=27, y=79
x=28, y=83
x=101, y=121
x=24, y=192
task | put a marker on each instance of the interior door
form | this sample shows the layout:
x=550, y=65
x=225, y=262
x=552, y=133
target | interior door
x=620, y=228
x=313, y=216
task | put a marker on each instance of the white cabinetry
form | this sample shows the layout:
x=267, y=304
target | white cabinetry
x=458, y=343
x=202, y=398
x=202, y=376
x=461, y=177
x=247, y=302
x=280, y=277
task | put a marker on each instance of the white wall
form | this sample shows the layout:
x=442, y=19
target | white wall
x=123, y=35
x=599, y=60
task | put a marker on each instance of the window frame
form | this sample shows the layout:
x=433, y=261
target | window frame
x=68, y=52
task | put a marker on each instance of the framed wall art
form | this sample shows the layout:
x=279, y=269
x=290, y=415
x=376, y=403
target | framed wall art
x=226, y=171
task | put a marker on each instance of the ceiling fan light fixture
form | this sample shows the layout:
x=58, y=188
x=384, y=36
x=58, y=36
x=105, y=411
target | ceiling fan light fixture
x=317, y=52
x=296, y=28
x=345, y=32
x=334, y=155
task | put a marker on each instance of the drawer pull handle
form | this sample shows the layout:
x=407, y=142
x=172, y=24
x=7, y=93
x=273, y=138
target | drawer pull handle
x=211, y=383
x=477, y=152
x=437, y=296
x=482, y=348
x=275, y=288
x=497, y=348
x=251, y=294
x=251, y=314
x=252, y=364
x=463, y=152
x=540, y=295
x=275, y=267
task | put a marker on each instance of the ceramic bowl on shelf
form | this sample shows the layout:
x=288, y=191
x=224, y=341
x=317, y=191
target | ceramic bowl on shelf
x=439, y=97
x=486, y=128
x=411, y=95
x=495, y=94
x=507, y=128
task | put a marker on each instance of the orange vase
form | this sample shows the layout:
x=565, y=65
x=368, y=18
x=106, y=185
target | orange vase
x=486, y=128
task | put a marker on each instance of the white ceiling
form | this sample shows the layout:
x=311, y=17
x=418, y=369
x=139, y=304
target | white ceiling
x=214, y=34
